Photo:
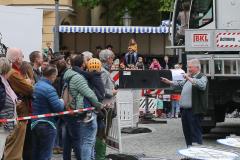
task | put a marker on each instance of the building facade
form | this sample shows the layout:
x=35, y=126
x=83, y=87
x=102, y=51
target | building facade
x=48, y=7
x=72, y=14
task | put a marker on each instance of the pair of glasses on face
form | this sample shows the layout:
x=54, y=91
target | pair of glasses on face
x=9, y=61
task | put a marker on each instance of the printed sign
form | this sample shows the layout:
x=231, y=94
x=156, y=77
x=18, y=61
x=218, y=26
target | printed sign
x=228, y=40
x=207, y=154
x=200, y=40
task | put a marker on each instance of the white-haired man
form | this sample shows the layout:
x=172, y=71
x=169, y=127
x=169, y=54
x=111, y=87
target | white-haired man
x=24, y=90
x=106, y=56
x=193, y=102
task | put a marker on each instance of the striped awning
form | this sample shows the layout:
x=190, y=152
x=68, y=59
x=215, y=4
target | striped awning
x=113, y=29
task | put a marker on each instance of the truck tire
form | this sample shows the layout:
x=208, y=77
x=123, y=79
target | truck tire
x=220, y=111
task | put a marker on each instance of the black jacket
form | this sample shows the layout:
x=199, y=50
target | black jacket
x=94, y=81
x=2, y=95
x=199, y=98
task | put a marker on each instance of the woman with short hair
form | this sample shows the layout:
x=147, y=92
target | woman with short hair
x=8, y=102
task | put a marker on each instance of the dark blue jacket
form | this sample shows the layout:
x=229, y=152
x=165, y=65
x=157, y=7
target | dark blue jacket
x=45, y=100
x=94, y=81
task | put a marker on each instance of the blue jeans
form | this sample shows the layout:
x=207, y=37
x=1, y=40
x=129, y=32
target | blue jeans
x=175, y=108
x=72, y=137
x=88, y=138
x=191, y=124
x=43, y=137
x=61, y=131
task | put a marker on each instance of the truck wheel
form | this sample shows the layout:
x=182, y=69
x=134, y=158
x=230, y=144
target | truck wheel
x=220, y=111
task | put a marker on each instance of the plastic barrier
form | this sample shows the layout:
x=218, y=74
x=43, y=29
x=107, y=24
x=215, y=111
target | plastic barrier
x=127, y=104
x=152, y=107
x=114, y=140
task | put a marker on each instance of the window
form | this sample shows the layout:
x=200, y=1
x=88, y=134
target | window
x=201, y=13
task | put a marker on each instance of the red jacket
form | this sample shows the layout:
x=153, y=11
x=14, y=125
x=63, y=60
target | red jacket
x=175, y=97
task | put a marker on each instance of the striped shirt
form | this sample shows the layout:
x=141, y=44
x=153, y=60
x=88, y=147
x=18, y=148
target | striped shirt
x=8, y=112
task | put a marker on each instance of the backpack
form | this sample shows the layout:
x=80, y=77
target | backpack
x=66, y=95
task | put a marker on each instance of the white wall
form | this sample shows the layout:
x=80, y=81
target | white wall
x=22, y=28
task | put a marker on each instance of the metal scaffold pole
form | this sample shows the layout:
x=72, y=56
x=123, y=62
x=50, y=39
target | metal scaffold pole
x=56, y=30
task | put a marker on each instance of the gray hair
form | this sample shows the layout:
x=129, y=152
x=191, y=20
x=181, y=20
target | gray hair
x=195, y=62
x=13, y=54
x=87, y=55
x=5, y=66
x=105, y=54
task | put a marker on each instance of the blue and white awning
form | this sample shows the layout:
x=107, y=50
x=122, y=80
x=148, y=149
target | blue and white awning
x=113, y=29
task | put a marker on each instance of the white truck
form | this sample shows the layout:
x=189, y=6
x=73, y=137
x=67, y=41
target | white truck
x=214, y=38
x=21, y=27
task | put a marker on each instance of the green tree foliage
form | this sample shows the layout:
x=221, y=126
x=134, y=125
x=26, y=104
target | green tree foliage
x=143, y=12
x=165, y=5
x=89, y=3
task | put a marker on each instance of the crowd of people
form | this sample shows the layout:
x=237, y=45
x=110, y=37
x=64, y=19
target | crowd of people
x=37, y=88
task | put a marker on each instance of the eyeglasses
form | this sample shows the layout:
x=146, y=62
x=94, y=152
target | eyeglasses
x=9, y=61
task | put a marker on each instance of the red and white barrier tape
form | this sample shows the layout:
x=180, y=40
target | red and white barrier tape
x=47, y=115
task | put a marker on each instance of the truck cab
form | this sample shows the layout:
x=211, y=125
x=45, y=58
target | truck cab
x=213, y=37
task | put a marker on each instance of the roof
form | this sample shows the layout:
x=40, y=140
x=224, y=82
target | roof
x=113, y=29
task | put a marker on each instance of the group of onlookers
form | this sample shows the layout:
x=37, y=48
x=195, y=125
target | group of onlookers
x=36, y=88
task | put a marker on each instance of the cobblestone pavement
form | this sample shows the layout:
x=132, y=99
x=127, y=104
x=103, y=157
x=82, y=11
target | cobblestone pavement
x=166, y=139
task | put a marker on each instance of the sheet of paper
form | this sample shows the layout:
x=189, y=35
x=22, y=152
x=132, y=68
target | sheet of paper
x=177, y=74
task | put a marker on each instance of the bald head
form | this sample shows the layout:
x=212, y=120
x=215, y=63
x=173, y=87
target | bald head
x=15, y=55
